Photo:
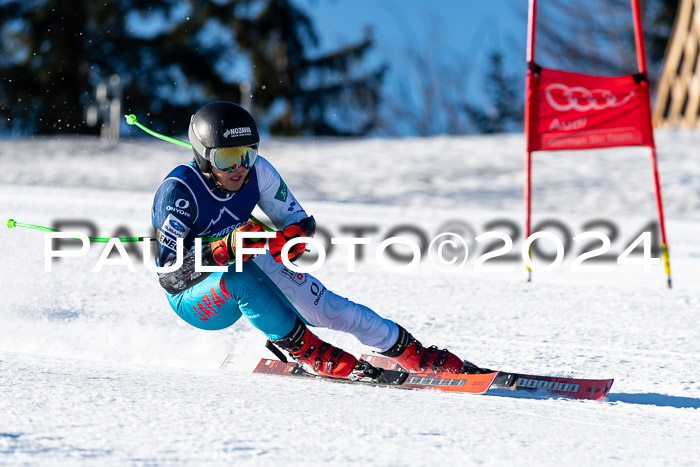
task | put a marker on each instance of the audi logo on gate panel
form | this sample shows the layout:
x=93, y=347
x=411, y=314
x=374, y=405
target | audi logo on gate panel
x=564, y=98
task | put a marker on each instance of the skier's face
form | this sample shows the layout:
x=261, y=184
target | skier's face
x=231, y=181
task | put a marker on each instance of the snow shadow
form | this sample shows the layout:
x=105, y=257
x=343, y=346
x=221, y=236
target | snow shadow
x=659, y=400
x=502, y=392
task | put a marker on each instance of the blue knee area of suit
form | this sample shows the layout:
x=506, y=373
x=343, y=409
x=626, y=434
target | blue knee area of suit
x=223, y=297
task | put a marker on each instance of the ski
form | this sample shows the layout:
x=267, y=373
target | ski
x=475, y=384
x=575, y=388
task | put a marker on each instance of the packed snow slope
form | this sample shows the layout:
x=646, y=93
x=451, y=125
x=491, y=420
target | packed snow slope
x=95, y=367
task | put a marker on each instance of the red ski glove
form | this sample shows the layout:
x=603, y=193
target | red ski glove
x=224, y=250
x=283, y=236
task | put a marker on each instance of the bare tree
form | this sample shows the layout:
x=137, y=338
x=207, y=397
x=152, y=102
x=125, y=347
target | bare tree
x=429, y=87
x=597, y=36
x=440, y=90
x=501, y=109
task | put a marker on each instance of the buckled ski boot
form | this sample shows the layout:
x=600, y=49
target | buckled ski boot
x=412, y=356
x=325, y=359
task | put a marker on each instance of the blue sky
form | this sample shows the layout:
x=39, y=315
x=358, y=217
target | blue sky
x=456, y=29
x=465, y=25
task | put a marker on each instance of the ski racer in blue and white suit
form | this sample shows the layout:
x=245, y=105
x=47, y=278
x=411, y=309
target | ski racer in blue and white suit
x=214, y=196
x=188, y=205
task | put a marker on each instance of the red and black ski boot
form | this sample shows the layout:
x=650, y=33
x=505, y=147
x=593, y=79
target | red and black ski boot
x=412, y=356
x=325, y=359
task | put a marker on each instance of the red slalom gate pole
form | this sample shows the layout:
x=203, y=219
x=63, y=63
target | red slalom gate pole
x=660, y=211
x=531, y=25
x=642, y=67
x=530, y=57
x=527, y=193
x=639, y=37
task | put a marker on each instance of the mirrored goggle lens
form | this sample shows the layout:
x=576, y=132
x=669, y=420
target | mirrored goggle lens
x=229, y=159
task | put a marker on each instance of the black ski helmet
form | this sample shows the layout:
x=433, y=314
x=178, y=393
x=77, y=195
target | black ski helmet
x=220, y=125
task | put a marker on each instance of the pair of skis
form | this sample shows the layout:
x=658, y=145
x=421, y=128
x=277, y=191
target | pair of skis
x=394, y=376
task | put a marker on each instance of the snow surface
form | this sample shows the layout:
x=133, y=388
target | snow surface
x=95, y=368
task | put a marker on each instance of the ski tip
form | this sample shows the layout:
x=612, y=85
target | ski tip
x=239, y=363
x=608, y=386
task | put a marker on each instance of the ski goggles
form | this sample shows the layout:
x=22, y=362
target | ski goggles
x=229, y=159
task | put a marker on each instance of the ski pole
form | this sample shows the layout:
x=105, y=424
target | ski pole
x=131, y=120
x=11, y=223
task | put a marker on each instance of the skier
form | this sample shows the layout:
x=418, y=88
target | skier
x=214, y=195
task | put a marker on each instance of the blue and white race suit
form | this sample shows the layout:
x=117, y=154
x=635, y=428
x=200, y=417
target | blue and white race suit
x=188, y=205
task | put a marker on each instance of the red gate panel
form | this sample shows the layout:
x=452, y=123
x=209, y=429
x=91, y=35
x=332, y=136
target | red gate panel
x=577, y=111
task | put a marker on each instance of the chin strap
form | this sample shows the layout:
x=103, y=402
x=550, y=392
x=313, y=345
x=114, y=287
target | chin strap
x=218, y=186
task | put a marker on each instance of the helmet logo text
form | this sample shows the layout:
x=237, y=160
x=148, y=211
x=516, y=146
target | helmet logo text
x=240, y=131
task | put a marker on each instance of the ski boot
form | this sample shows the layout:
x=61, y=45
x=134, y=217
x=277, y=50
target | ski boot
x=325, y=359
x=412, y=356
